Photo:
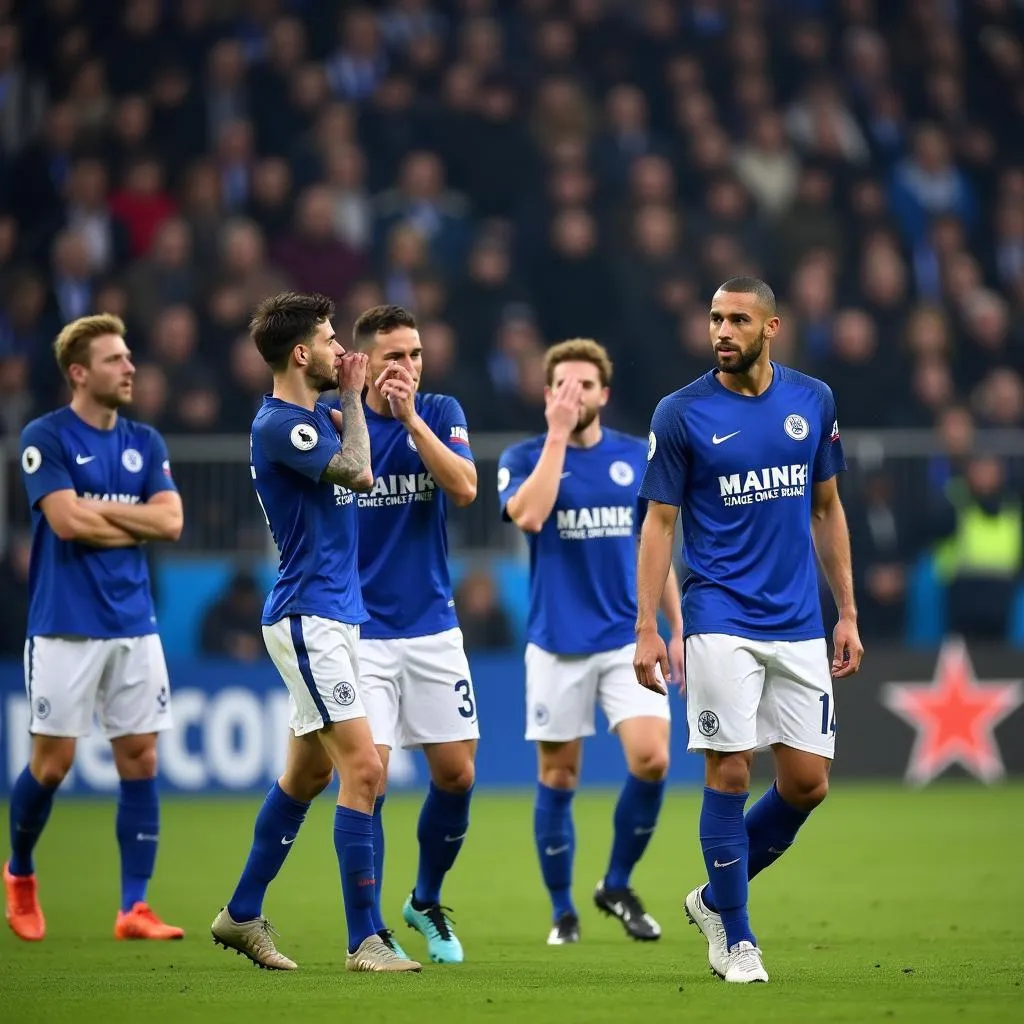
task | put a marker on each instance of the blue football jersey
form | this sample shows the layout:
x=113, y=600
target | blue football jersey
x=313, y=523
x=75, y=589
x=583, y=560
x=742, y=469
x=403, y=532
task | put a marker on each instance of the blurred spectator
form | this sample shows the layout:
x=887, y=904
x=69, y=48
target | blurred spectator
x=14, y=597
x=484, y=624
x=231, y=625
x=142, y=203
x=167, y=276
x=982, y=558
x=24, y=102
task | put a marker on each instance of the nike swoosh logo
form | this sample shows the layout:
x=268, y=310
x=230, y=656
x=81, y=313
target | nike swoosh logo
x=727, y=864
x=564, y=475
x=83, y=459
x=643, y=831
x=288, y=840
x=554, y=851
x=715, y=439
x=454, y=839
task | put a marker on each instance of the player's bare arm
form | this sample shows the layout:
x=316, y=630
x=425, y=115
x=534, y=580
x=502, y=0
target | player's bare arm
x=832, y=544
x=455, y=475
x=159, y=518
x=531, y=505
x=672, y=609
x=657, y=536
x=351, y=466
x=71, y=518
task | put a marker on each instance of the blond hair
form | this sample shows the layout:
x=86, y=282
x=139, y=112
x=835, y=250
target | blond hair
x=72, y=344
x=578, y=350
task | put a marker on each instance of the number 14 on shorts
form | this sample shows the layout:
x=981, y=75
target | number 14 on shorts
x=828, y=721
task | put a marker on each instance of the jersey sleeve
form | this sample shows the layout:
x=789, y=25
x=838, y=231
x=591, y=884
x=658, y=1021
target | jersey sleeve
x=296, y=440
x=829, y=458
x=668, y=457
x=158, y=475
x=453, y=429
x=514, y=467
x=43, y=468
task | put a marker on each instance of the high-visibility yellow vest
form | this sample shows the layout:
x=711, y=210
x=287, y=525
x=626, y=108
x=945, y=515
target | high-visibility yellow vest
x=982, y=545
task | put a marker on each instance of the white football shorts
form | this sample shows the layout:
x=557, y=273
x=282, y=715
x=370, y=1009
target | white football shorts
x=563, y=690
x=749, y=694
x=317, y=661
x=418, y=690
x=123, y=681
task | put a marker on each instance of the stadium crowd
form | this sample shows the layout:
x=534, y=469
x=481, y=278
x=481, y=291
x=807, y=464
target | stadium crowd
x=521, y=171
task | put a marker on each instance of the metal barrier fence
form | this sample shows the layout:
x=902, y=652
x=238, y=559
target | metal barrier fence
x=222, y=516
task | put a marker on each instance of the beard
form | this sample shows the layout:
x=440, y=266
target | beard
x=116, y=398
x=322, y=376
x=587, y=416
x=739, y=361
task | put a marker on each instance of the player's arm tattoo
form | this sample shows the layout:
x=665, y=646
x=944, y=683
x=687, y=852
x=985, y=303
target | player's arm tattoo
x=351, y=466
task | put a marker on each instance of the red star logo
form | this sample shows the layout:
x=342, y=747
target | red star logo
x=955, y=717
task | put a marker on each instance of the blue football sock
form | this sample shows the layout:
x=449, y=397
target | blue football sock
x=353, y=843
x=556, y=843
x=772, y=825
x=636, y=814
x=138, y=831
x=31, y=803
x=277, y=825
x=444, y=821
x=378, y=861
x=723, y=840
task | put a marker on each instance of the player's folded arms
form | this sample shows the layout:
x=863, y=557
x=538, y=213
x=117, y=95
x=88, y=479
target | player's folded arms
x=111, y=524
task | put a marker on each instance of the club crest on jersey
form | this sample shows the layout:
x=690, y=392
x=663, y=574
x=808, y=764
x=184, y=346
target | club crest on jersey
x=796, y=427
x=504, y=477
x=410, y=442
x=31, y=459
x=652, y=445
x=622, y=473
x=303, y=437
x=131, y=460
x=344, y=694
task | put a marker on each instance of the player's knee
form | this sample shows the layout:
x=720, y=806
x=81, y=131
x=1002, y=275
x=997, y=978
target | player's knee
x=455, y=778
x=805, y=793
x=52, y=770
x=559, y=777
x=727, y=773
x=364, y=774
x=651, y=765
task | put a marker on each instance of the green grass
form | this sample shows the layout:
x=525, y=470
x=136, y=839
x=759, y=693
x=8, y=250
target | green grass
x=893, y=905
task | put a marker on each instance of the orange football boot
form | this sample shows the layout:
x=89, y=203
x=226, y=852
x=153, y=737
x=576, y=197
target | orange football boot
x=141, y=923
x=24, y=914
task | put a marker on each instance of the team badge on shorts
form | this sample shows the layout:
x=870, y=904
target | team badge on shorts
x=131, y=460
x=41, y=707
x=344, y=694
x=622, y=473
x=541, y=714
x=796, y=427
x=707, y=722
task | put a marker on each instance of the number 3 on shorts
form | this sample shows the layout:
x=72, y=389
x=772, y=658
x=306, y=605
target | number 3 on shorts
x=465, y=690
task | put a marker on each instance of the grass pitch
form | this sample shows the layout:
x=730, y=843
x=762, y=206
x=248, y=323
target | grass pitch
x=893, y=905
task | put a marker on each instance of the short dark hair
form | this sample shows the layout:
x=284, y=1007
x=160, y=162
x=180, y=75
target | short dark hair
x=285, y=320
x=380, y=320
x=754, y=286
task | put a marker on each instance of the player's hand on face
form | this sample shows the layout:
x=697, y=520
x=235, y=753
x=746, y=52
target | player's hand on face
x=677, y=662
x=651, y=654
x=352, y=371
x=396, y=384
x=848, y=649
x=562, y=409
